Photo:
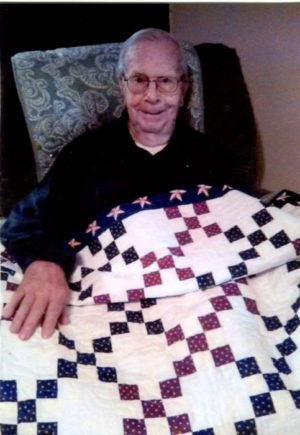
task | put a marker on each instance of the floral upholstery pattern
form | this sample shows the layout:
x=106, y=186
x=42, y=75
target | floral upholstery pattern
x=67, y=91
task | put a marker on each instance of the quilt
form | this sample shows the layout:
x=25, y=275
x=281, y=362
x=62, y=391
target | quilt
x=184, y=312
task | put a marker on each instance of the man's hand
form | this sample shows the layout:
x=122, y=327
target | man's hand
x=41, y=297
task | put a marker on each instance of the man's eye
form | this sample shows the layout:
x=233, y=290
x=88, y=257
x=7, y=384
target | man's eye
x=140, y=79
x=165, y=80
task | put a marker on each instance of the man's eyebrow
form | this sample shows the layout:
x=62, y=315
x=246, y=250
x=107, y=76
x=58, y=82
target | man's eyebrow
x=137, y=73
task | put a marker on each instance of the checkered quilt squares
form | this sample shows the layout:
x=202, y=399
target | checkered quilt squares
x=153, y=408
x=262, y=217
x=263, y=404
x=162, y=327
x=274, y=381
x=209, y=321
x=152, y=278
x=205, y=281
x=280, y=239
x=296, y=244
x=64, y=341
x=85, y=294
x=130, y=255
x=192, y=223
x=184, y=367
x=248, y=367
x=201, y=208
x=234, y=234
x=222, y=355
x=26, y=411
x=107, y=374
x=245, y=427
x=8, y=391
x=197, y=343
x=287, y=347
x=257, y=237
x=111, y=250
x=117, y=230
x=46, y=389
x=174, y=334
x=172, y=212
x=170, y=388
x=238, y=270
x=292, y=324
x=129, y=392
x=95, y=246
x=231, y=289
x=281, y=365
x=221, y=303
x=249, y=254
x=296, y=397
x=39, y=429
x=183, y=238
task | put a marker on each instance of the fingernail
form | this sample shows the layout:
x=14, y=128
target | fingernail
x=45, y=334
x=24, y=334
x=4, y=312
x=13, y=328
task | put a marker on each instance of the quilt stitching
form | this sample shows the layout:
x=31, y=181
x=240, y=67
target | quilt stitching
x=193, y=341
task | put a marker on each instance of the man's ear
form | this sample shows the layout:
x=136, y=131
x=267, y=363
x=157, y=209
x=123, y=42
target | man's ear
x=121, y=86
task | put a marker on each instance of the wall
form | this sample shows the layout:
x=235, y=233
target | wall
x=267, y=39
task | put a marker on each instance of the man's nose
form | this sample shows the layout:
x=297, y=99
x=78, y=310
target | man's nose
x=152, y=94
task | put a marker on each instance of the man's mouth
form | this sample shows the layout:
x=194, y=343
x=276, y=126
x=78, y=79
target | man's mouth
x=152, y=113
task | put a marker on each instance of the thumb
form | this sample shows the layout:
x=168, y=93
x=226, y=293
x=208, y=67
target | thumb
x=64, y=318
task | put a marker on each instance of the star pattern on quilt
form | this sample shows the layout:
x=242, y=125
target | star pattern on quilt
x=92, y=228
x=204, y=189
x=226, y=187
x=73, y=243
x=193, y=224
x=283, y=197
x=177, y=194
x=115, y=212
x=142, y=201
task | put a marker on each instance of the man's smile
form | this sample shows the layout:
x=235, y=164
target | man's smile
x=151, y=114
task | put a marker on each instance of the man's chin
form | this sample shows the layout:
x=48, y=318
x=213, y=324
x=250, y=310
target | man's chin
x=153, y=125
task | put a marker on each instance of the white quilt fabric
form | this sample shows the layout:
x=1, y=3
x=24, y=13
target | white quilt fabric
x=184, y=320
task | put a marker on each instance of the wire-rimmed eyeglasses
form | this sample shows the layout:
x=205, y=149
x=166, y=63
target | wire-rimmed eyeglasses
x=138, y=84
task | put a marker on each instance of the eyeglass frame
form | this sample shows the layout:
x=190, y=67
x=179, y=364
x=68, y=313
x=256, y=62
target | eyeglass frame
x=155, y=80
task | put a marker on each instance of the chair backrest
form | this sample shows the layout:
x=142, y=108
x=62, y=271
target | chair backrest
x=66, y=91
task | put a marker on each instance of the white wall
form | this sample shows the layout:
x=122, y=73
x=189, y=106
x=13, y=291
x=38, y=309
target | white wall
x=267, y=40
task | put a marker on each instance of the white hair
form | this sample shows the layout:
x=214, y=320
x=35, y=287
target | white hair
x=150, y=35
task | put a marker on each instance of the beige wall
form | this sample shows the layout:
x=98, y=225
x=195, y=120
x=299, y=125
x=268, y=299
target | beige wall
x=267, y=39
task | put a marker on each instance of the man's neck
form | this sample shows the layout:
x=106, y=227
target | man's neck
x=152, y=150
x=148, y=139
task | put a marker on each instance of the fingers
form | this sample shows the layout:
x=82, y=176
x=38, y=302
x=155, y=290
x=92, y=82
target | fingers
x=29, y=315
x=21, y=314
x=29, y=319
x=11, y=307
x=64, y=318
x=40, y=299
x=53, y=313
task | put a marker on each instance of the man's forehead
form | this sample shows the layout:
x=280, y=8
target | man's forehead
x=155, y=50
x=164, y=46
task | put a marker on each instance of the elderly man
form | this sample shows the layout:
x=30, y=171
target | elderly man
x=147, y=151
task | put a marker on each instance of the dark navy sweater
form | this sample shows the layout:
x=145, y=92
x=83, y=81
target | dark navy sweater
x=101, y=169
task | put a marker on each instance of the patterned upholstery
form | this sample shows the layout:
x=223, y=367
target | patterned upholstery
x=66, y=91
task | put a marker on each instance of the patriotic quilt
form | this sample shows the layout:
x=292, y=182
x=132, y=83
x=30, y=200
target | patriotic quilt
x=184, y=312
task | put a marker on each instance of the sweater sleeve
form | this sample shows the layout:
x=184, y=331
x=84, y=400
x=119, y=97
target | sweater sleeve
x=27, y=233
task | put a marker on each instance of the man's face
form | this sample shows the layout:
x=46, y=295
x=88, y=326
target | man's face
x=152, y=113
